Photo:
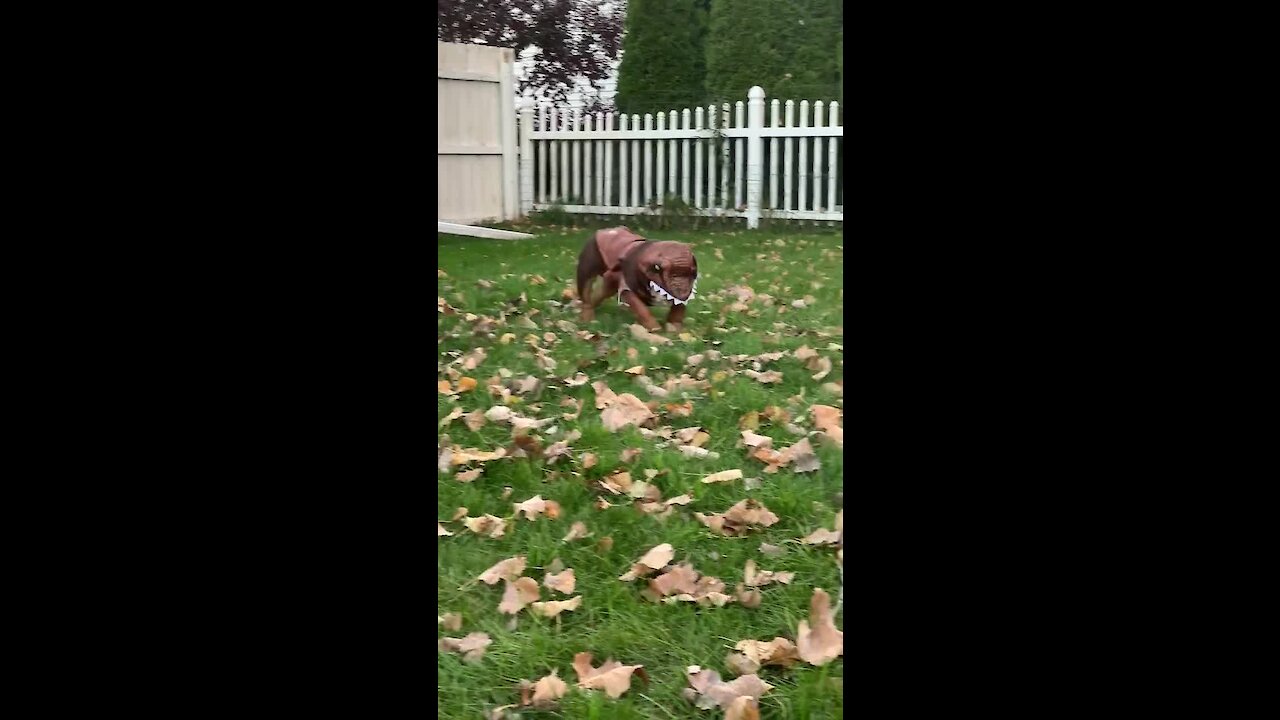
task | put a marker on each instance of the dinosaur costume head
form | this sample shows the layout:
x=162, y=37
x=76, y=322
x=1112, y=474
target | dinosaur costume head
x=668, y=271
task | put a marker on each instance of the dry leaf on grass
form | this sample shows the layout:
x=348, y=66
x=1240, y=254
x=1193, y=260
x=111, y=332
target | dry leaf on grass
x=469, y=475
x=577, y=531
x=822, y=365
x=552, y=608
x=474, y=420
x=458, y=514
x=746, y=515
x=752, y=578
x=803, y=457
x=636, y=370
x=752, y=440
x=743, y=707
x=770, y=376
x=749, y=598
x=626, y=409
x=710, y=691
x=697, y=452
x=823, y=642
x=656, y=559
x=680, y=579
x=472, y=646
x=613, y=677
x=561, y=582
x=508, y=569
x=778, y=651
x=451, y=621
x=639, y=333
x=440, y=531
x=548, y=690
x=827, y=419
x=618, y=483
x=453, y=415
x=804, y=352
x=518, y=594
x=588, y=461
x=489, y=525
x=535, y=506
x=771, y=550
x=630, y=454
x=724, y=476
x=740, y=664
x=823, y=536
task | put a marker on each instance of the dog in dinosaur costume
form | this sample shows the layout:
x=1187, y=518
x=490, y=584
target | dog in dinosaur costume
x=641, y=272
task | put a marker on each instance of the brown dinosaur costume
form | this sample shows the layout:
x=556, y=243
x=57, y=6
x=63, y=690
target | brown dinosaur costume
x=640, y=272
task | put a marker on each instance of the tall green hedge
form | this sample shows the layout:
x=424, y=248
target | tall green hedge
x=663, y=56
x=791, y=48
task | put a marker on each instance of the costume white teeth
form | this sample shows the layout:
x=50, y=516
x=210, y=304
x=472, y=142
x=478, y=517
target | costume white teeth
x=662, y=293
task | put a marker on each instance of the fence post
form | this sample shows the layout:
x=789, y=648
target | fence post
x=526, y=157
x=755, y=154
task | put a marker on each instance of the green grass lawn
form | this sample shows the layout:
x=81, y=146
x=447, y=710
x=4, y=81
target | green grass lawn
x=482, y=278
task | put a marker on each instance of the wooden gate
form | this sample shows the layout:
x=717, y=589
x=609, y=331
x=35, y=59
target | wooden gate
x=476, y=168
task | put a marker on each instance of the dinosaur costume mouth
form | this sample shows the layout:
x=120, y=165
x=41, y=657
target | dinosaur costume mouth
x=662, y=293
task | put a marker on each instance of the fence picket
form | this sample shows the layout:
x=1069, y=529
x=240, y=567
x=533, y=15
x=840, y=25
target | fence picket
x=608, y=161
x=724, y=163
x=600, y=196
x=786, y=165
x=635, y=164
x=575, y=164
x=774, y=121
x=817, y=158
x=711, y=157
x=802, y=199
x=685, y=160
x=554, y=162
x=832, y=158
x=588, y=185
x=660, y=160
x=739, y=150
x=671, y=166
x=697, y=160
x=647, y=193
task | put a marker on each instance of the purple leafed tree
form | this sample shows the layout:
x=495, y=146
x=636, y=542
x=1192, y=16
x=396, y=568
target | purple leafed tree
x=576, y=38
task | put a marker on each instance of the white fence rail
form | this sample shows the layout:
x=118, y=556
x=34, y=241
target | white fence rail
x=568, y=160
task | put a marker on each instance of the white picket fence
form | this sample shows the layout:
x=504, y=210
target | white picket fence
x=568, y=160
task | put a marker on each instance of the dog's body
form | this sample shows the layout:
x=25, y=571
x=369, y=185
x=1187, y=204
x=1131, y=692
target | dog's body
x=640, y=272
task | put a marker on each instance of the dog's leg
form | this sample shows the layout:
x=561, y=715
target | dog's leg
x=642, y=312
x=675, y=318
x=590, y=266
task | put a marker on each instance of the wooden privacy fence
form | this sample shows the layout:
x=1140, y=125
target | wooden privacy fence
x=476, y=134
x=584, y=164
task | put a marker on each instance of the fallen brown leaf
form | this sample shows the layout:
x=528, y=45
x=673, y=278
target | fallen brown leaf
x=612, y=677
x=508, y=569
x=561, y=582
x=548, y=690
x=824, y=642
x=535, y=506
x=468, y=475
x=518, y=594
x=552, y=608
x=440, y=531
x=655, y=559
x=489, y=525
x=724, y=476
x=577, y=531
x=451, y=621
x=472, y=646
